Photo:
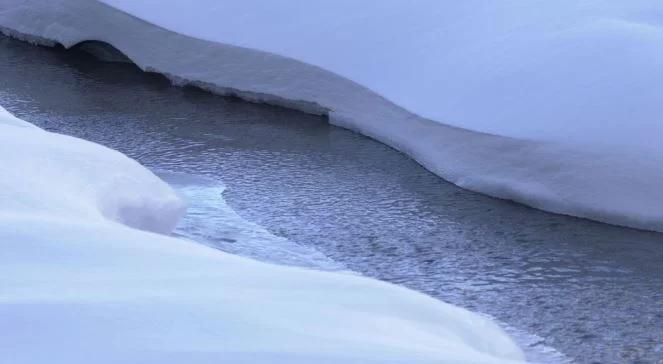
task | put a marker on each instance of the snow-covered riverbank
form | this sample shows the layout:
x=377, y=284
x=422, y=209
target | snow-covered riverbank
x=81, y=283
x=522, y=70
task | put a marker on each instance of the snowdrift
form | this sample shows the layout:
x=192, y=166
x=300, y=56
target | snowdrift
x=572, y=88
x=79, y=285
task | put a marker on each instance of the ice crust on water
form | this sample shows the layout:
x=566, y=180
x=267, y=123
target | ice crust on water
x=572, y=88
x=209, y=220
x=80, y=283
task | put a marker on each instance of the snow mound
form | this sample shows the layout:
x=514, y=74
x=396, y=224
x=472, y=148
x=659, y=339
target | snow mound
x=582, y=77
x=517, y=68
x=79, y=285
x=73, y=179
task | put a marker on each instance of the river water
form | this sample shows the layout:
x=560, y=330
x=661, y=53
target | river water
x=286, y=187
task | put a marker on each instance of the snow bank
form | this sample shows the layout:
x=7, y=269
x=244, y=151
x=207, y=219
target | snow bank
x=585, y=74
x=73, y=179
x=7, y=118
x=536, y=68
x=76, y=286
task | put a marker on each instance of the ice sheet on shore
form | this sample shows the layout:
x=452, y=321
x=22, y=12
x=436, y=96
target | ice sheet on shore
x=210, y=221
x=80, y=283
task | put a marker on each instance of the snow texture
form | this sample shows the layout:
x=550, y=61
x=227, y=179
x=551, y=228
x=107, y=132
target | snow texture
x=570, y=90
x=529, y=68
x=79, y=285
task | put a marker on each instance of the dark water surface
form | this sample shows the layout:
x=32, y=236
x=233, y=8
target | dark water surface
x=591, y=291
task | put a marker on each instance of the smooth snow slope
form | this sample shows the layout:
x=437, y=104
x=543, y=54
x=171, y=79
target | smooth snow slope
x=583, y=69
x=77, y=285
x=585, y=74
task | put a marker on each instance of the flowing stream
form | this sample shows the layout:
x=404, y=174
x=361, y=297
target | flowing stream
x=288, y=188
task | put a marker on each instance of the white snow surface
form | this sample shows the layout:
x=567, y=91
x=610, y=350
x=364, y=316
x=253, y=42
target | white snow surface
x=79, y=285
x=523, y=68
x=569, y=90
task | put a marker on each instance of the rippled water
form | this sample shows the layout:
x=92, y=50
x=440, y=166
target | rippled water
x=328, y=198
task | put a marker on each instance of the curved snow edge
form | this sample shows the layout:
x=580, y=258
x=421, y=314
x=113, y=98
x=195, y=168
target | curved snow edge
x=599, y=185
x=70, y=274
x=72, y=179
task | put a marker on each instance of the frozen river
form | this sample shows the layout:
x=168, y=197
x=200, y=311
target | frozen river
x=286, y=187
